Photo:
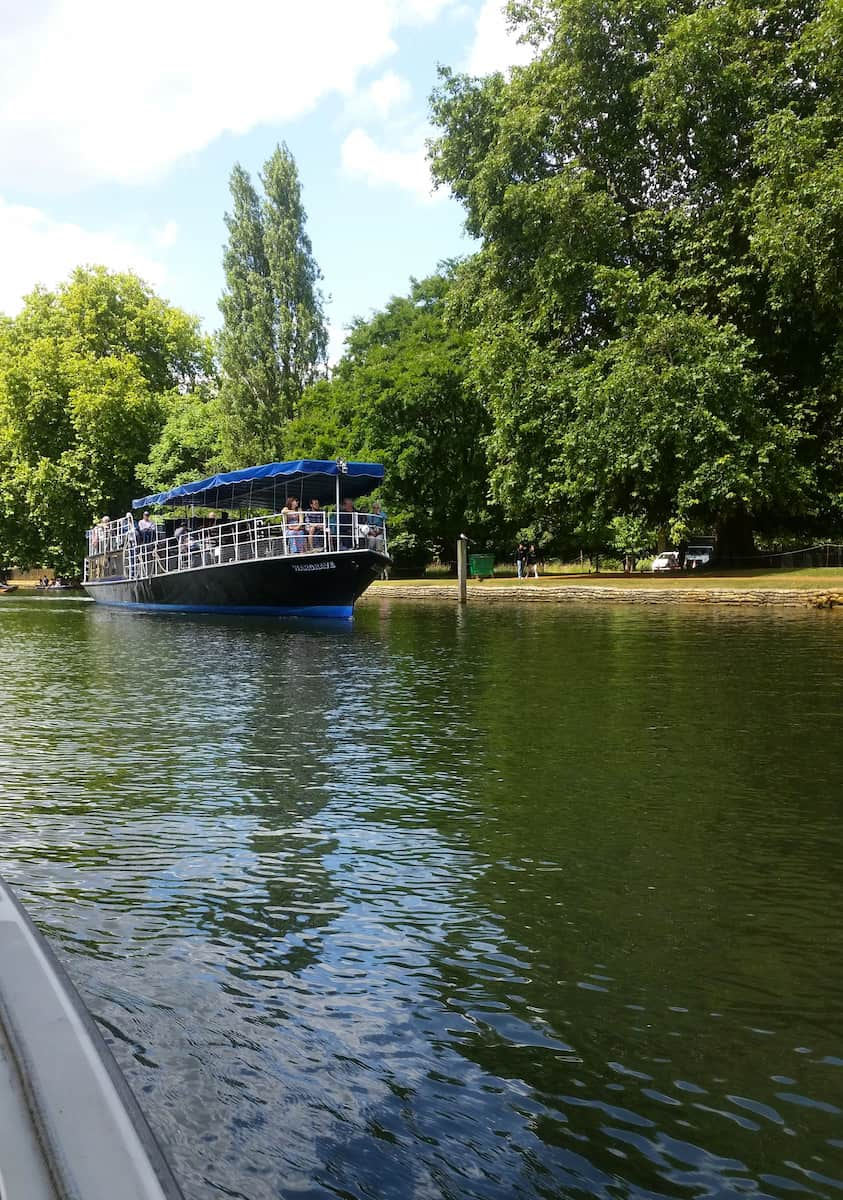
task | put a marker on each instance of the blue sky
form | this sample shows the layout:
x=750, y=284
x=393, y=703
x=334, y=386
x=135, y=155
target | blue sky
x=119, y=125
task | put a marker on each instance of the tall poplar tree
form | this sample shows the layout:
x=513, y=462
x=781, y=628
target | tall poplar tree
x=273, y=342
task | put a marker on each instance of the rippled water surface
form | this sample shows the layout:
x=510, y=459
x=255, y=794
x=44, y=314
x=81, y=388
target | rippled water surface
x=523, y=901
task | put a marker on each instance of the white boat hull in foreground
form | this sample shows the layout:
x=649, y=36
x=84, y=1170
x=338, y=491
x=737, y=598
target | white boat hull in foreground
x=69, y=1125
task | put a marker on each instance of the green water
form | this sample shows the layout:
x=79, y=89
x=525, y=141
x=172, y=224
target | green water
x=520, y=901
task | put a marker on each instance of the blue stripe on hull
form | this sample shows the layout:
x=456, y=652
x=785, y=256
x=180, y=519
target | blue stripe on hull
x=318, y=611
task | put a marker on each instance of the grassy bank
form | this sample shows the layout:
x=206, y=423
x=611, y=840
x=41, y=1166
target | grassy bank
x=800, y=588
x=802, y=577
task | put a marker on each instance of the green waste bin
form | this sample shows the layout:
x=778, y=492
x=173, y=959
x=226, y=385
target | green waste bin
x=481, y=566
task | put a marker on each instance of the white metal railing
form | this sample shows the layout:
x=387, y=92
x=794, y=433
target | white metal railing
x=142, y=555
x=110, y=535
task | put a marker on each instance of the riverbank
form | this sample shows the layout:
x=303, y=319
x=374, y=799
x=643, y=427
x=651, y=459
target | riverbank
x=807, y=588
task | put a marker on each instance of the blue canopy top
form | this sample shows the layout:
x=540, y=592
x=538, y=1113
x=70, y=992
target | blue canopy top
x=262, y=487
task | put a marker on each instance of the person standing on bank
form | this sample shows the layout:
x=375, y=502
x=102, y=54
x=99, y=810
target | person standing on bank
x=533, y=560
x=521, y=559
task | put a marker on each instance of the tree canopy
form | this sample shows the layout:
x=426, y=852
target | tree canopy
x=86, y=372
x=399, y=395
x=654, y=302
x=648, y=339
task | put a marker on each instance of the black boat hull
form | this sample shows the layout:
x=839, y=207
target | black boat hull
x=306, y=585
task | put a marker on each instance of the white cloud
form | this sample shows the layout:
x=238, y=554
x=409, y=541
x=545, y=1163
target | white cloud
x=405, y=168
x=421, y=11
x=495, y=47
x=104, y=91
x=389, y=92
x=167, y=235
x=35, y=249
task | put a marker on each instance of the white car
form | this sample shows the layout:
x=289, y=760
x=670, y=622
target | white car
x=668, y=560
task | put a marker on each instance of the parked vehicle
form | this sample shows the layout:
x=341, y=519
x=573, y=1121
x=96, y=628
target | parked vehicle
x=668, y=560
x=698, y=557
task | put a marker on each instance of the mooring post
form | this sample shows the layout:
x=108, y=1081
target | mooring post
x=462, y=567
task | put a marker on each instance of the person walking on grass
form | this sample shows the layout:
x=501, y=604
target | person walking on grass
x=532, y=560
x=521, y=560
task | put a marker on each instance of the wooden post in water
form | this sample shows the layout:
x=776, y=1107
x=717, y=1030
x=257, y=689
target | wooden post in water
x=462, y=567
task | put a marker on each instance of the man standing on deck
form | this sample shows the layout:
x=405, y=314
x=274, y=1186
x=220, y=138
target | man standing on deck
x=146, y=529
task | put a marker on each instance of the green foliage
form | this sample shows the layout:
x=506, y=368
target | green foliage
x=648, y=341
x=656, y=300
x=400, y=396
x=85, y=376
x=670, y=425
x=273, y=342
x=191, y=444
x=630, y=534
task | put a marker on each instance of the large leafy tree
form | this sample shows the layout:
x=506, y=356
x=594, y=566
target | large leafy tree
x=191, y=444
x=86, y=372
x=658, y=327
x=273, y=341
x=400, y=396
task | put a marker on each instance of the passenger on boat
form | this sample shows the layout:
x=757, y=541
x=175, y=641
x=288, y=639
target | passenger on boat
x=184, y=544
x=345, y=524
x=146, y=528
x=175, y=547
x=194, y=548
x=129, y=531
x=293, y=524
x=99, y=536
x=314, y=521
x=210, y=540
x=377, y=524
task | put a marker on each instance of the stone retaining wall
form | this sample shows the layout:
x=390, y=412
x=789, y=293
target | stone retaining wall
x=780, y=597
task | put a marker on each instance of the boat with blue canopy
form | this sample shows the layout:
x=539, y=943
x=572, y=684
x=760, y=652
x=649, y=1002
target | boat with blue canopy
x=280, y=539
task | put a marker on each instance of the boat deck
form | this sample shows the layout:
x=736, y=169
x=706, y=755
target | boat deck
x=69, y=1125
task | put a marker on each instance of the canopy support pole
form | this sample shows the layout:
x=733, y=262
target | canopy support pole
x=337, y=522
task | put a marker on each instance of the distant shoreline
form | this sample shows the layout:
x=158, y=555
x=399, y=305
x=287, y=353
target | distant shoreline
x=621, y=590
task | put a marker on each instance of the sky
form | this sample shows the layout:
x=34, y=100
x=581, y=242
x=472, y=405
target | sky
x=120, y=123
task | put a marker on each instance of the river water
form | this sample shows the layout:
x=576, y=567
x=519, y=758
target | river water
x=520, y=901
